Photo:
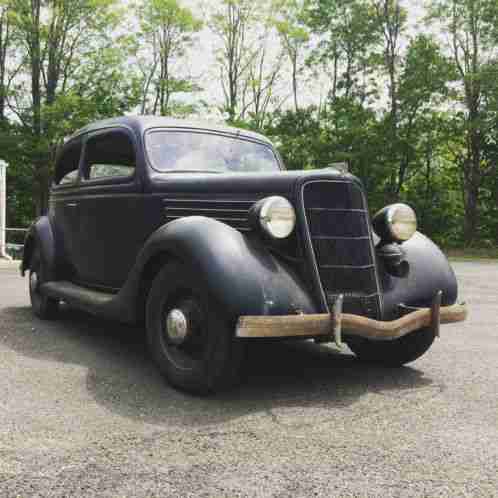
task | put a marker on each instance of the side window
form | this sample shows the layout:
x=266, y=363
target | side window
x=109, y=155
x=66, y=168
x=69, y=178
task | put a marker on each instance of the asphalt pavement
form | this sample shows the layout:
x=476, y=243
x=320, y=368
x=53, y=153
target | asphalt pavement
x=83, y=412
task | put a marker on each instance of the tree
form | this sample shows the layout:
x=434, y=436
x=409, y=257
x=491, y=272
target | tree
x=348, y=38
x=68, y=46
x=5, y=45
x=391, y=19
x=471, y=26
x=349, y=48
x=421, y=87
x=259, y=86
x=289, y=21
x=167, y=32
x=298, y=136
x=232, y=25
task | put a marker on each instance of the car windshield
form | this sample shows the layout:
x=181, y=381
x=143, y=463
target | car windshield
x=175, y=151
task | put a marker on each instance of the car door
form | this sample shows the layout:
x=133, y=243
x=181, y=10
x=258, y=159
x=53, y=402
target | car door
x=110, y=207
x=63, y=212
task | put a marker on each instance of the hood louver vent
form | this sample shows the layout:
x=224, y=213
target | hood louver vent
x=233, y=212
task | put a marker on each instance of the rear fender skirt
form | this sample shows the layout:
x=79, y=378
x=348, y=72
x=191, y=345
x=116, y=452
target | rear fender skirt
x=429, y=272
x=41, y=235
x=242, y=275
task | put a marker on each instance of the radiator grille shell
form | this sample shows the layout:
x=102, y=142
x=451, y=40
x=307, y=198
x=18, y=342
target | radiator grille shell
x=340, y=237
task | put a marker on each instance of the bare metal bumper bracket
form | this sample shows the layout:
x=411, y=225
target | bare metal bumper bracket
x=337, y=320
x=335, y=324
x=436, y=313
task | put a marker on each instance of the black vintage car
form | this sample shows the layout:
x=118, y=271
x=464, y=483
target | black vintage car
x=200, y=233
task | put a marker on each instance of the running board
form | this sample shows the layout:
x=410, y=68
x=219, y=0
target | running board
x=95, y=302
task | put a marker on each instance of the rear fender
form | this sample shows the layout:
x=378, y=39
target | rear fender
x=40, y=235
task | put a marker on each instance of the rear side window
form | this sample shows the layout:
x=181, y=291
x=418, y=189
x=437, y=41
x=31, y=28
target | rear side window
x=71, y=177
x=109, y=155
x=66, y=169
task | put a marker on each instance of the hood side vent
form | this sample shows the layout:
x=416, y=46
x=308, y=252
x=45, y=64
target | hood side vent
x=233, y=212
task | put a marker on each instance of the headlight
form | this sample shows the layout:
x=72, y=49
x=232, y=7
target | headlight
x=276, y=216
x=395, y=223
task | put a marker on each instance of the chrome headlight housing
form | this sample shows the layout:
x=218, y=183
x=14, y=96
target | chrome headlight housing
x=275, y=215
x=395, y=223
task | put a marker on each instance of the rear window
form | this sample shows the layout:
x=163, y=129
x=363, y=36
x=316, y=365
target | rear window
x=66, y=170
x=175, y=151
x=109, y=155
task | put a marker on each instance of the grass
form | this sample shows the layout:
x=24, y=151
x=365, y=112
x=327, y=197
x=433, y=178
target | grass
x=472, y=253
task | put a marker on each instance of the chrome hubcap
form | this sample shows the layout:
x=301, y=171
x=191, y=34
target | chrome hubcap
x=177, y=326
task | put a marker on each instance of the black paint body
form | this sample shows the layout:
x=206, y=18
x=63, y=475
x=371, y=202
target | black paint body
x=110, y=237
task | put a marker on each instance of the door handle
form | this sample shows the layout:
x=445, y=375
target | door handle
x=72, y=204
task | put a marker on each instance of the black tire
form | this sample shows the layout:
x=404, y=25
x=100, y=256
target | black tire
x=210, y=359
x=393, y=353
x=44, y=307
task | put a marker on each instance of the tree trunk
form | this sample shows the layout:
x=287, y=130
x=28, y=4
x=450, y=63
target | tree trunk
x=472, y=168
x=42, y=185
x=4, y=42
x=428, y=185
x=294, y=80
x=471, y=213
x=472, y=183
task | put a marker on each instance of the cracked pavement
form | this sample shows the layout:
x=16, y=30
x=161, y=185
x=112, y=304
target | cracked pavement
x=83, y=412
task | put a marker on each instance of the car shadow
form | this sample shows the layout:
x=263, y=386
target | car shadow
x=279, y=377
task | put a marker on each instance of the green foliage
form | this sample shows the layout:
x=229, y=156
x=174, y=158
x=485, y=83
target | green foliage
x=166, y=32
x=68, y=69
x=298, y=137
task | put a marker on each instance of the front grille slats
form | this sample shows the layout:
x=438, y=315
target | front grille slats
x=340, y=280
x=341, y=223
x=339, y=228
x=335, y=196
x=342, y=251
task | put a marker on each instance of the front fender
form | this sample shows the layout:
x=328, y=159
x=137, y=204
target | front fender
x=41, y=235
x=429, y=272
x=241, y=274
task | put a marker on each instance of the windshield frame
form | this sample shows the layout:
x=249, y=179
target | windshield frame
x=204, y=131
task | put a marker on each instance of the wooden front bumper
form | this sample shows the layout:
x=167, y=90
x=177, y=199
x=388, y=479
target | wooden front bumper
x=323, y=324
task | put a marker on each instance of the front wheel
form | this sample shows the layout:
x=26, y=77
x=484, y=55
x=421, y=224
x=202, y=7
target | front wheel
x=190, y=337
x=393, y=353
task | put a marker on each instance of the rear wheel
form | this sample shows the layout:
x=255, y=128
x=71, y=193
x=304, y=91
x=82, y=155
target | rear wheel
x=190, y=337
x=393, y=353
x=44, y=307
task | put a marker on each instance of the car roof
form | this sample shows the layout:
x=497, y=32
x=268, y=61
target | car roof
x=141, y=123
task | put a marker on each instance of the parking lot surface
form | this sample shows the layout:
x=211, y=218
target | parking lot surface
x=83, y=412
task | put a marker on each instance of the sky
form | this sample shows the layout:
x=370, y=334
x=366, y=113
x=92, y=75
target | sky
x=202, y=60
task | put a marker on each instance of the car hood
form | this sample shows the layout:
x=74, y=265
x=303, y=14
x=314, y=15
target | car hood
x=251, y=184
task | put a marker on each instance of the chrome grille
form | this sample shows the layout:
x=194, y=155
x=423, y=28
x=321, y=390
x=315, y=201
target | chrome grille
x=339, y=229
